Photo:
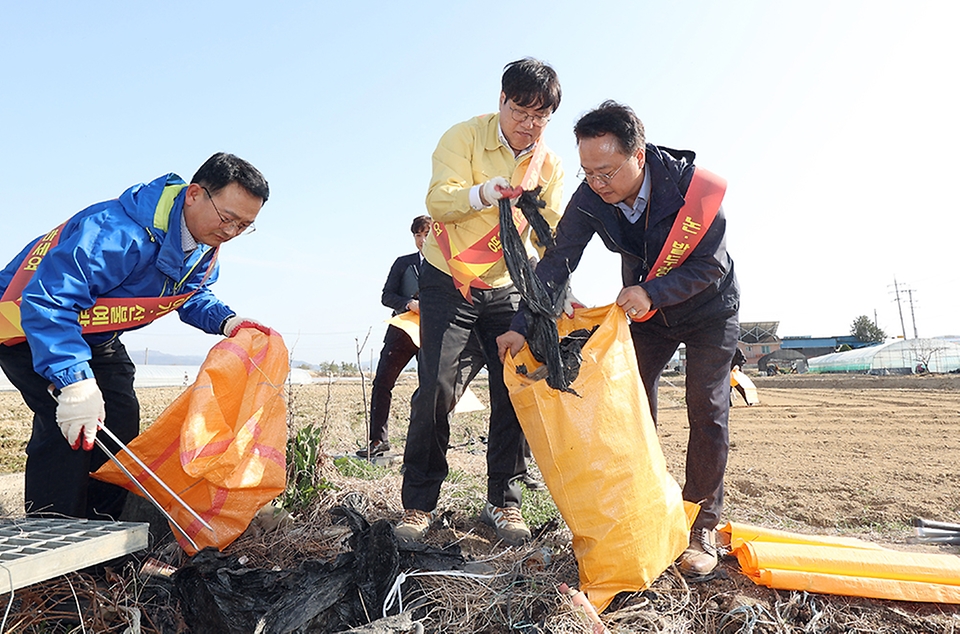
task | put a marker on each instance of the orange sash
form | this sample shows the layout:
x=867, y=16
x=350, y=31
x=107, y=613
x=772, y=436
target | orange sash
x=107, y=314
x=467, y=264
x=702, y=202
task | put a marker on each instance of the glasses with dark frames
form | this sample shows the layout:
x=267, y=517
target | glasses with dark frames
x=521, y=117
x=602, y=179
x=234, y=226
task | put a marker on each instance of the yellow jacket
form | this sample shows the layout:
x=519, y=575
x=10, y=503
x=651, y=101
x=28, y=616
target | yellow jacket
x=471, y=153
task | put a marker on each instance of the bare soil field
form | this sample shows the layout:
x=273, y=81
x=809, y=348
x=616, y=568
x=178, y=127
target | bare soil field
x=853, y=455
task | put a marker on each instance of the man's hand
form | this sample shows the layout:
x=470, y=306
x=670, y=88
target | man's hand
x=233, y=325
x=413, y=306
x=79, y=412
x=570, y=303
x=490, y=191
x=512, y=341
x=634, y=301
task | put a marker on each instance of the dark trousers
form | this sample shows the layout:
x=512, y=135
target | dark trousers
x=57, y=479
x=710, y=345
x=396, y=353
x=446, y=321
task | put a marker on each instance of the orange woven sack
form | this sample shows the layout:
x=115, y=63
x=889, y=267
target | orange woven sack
x=601, y=459
x=221, y=444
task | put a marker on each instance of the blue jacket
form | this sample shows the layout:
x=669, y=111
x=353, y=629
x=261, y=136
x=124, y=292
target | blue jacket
x=703, y=286
x=126, y=247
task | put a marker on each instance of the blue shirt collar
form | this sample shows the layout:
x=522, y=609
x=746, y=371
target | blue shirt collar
x=632, y=214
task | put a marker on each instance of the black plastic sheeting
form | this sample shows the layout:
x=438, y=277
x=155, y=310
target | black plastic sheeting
x=543, y=303
x=218, y=594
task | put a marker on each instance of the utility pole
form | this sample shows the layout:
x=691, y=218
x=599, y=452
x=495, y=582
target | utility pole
x=896, y=290
x=912, y=317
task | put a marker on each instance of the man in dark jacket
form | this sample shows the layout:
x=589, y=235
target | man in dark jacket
x=400, y=292
x=631, y=195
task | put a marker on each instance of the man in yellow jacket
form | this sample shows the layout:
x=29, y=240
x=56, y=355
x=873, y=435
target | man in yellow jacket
x=465, y=286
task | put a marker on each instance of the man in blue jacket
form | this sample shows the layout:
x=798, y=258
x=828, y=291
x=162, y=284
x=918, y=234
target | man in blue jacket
x=631, y=197
x=114, y=266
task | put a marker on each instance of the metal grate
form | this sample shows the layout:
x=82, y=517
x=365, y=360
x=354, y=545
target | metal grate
x=35, y=549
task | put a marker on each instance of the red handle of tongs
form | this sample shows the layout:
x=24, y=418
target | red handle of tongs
x=510, y=192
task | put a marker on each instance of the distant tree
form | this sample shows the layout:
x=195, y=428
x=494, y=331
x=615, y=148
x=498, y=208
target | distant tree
x=866, y=331
x=330, y=367
x=925, y=351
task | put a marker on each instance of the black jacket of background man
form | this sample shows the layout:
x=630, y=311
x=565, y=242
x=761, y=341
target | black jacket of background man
x=402, y=283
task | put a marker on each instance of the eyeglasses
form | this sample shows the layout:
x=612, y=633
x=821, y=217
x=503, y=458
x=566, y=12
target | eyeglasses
x=236, y=227
x=521, y=117
x=602, y=179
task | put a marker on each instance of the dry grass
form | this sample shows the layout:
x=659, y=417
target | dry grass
x=521, y=596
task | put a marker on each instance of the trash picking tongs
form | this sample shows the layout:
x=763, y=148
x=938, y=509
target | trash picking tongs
x=930, y=532
x=143, y=490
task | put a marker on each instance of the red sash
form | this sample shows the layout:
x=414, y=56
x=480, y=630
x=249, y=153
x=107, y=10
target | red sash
x=701, y=205
x=468, y=263
x=107, y=314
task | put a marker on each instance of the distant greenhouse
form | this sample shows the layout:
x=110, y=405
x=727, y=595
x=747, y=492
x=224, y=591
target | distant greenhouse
x=904, y=356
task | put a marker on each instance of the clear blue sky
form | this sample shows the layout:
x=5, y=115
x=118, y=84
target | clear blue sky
x=835, y=124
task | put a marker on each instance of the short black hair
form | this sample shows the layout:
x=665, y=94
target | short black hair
x=420, y=223
x=530, y=83
x=613, y=118
x=222, y=168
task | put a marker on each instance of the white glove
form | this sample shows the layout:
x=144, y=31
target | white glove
x=570, y=302
x=79, y=412
x=233, y=325
x=489, y=194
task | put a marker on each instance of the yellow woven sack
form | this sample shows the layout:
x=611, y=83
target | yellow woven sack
x=601, y=459
x=843, y=566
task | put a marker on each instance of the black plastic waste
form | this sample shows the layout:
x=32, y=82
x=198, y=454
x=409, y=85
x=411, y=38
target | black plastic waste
x=218, y=594
x=543, y=304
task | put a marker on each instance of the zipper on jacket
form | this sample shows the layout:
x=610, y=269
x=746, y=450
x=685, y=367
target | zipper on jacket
x=178, y=285
x=602, y=226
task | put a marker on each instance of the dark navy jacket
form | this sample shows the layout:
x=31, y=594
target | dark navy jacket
x=403, y=283
x=702, y=287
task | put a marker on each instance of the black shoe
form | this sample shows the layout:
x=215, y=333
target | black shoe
x=532, y=483
x=377, y=448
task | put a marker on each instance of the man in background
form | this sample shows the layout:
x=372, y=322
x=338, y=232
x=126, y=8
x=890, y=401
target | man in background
x=400, y=293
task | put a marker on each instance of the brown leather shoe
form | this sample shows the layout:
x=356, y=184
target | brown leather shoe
x=414, y=525
x=700, y=558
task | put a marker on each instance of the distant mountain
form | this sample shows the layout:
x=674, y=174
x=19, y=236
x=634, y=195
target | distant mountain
x=155, y=357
